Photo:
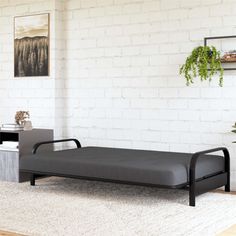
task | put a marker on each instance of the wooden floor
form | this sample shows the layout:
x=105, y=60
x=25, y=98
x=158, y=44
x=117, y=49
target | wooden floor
x=232, y=230
x=229, y=232
x=223, y=192
x=5, y=233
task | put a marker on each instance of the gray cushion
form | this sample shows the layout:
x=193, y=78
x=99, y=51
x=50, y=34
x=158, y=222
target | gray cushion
x=151, y=167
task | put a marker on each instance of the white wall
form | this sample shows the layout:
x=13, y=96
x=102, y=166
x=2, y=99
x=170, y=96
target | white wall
x=115, y=78
x=35, y=94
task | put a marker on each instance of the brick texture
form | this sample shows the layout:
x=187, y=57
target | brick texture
x=114, y=74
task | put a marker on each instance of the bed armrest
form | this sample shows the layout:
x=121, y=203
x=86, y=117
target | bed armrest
x=37, y=145
x=192, y=170
x=196, y=155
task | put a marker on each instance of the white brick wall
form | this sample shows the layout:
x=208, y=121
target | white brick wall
x=33, y=94
x=115, y=80
x=132, y=51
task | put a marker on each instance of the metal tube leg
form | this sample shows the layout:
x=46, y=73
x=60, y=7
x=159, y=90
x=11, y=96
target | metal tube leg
x=227, y=186
x=32, y=180
x=227, y=169
x=192, y=196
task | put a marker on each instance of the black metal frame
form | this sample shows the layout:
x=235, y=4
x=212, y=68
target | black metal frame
x=37, y=145
x=210, y=182
x=220, y=37
x=195, y=186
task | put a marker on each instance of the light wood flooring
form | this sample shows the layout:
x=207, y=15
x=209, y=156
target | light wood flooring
x=232, y=230
x=229, y=232
x=5, y=233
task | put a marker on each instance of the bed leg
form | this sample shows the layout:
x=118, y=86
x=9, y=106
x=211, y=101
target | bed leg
x=192, y=196
x=32, y=180
x=227, y=186
x=227, y=169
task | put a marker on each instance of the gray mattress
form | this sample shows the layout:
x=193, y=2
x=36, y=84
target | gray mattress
x=147, y=167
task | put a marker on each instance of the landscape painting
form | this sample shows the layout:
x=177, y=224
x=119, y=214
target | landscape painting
x=31, y=45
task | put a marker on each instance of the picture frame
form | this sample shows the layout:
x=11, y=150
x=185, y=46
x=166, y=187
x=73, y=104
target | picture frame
x=227, y=47
x=32, y=45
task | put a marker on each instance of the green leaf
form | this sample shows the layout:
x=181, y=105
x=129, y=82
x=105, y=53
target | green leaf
x=204, y=62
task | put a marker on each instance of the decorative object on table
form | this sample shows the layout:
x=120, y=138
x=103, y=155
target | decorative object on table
x=227, y=48
x=31, y=45
x=28, y=125
x=21, y=117
x=12, y=127
x=203, y=62
x=22, y=122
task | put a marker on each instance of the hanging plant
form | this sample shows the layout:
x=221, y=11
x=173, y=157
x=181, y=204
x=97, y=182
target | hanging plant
x=204, y=62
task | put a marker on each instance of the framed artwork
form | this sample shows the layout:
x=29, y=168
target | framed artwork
x=31, y=45
x=227, y=47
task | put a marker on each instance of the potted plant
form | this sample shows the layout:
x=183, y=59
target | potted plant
x=205, y=62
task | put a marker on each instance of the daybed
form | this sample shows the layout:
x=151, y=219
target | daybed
x=198, y=172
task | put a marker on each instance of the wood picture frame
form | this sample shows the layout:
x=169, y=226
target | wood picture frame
x=32, y=45
x=224, y=44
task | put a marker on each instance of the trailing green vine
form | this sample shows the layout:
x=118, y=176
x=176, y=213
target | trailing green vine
x=204, y=62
